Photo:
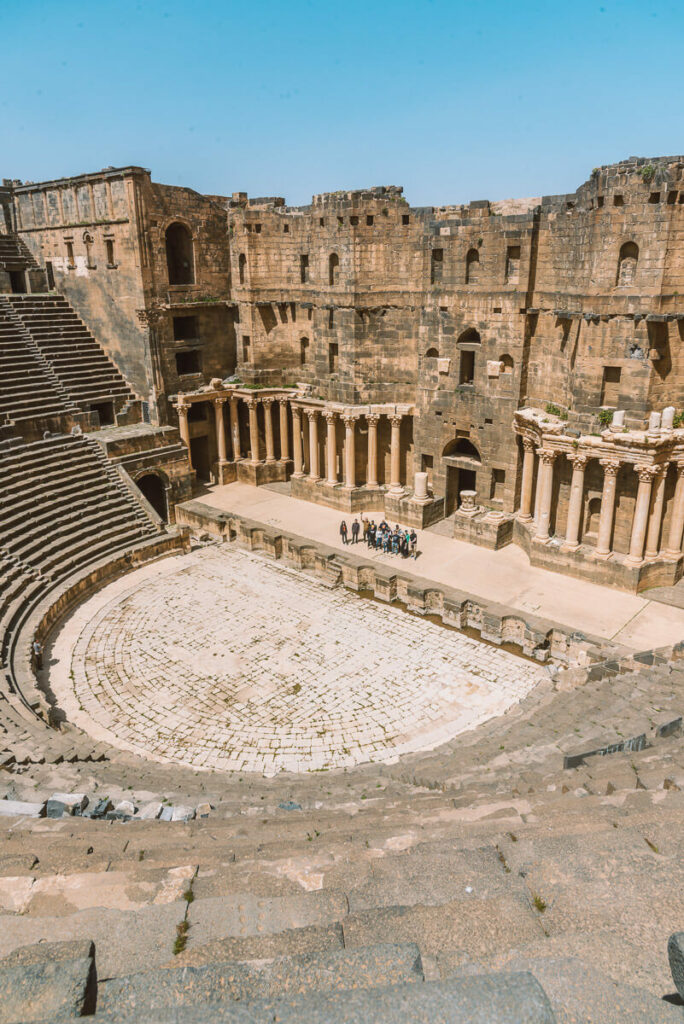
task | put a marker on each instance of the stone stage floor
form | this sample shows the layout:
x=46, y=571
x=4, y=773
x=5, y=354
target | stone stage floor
x=503, y=576
x=223, y=659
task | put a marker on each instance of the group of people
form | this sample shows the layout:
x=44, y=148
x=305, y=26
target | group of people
x=381, y=537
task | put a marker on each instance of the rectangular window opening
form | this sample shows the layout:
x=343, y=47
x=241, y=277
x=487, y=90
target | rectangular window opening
x=354, y=221
x=618, y=200
x=405, y=219
x=188, y=362
x=467, y=368
x=185, y=328
x=333, y=355
x=610, y=388
x=654, y=197
x=436, y=264
x=498, y=483
x=512, y=264
x=370, y=220
x=246, y=346
x=304, y=268
x=331, y=318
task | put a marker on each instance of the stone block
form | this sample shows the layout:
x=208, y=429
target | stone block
x=49, y=981
x=22, y=808
x=675, y=953
x=60, y=804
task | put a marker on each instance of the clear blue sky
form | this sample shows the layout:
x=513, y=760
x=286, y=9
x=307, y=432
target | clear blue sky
x=453, y=100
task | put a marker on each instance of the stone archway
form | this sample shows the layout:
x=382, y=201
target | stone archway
x=152, y=486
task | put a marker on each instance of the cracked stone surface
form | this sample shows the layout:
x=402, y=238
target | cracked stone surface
x=221, y=659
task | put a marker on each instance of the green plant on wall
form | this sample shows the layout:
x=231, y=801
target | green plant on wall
x=605, y=417
x=647, y=173
x=555, y=410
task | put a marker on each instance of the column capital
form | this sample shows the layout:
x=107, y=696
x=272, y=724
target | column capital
x=611, y=467
x=578, y=459
x=529, y=444
x=547, y=455
x=311, y=413
x=282, y=400
x=329, y=415
x=396, y=418
x=219, y=400
x=251, y=401
x=372, y=419
x=267, y=400
x=349, y=420
x=646, y=474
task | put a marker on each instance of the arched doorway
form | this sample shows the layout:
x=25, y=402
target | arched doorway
x=153, y=488
x=462, y=463
x=180, y=257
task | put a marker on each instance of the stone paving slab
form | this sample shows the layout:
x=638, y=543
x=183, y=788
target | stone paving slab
x=224, y=660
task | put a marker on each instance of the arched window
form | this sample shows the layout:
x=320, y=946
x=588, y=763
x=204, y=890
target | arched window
x=242, y=263
x=506, y=364
x=593, y=516
x=627, y=263
x=472, y=266
x=432, y=353
x=469, y=337
x=463, y=448
x=180, y=258
x=88, y=242
x=333, y=264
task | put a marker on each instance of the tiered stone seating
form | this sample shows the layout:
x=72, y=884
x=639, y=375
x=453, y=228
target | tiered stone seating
x=87, y=374
x=28, y=388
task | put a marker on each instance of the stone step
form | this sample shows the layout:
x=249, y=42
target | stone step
x=320, y=972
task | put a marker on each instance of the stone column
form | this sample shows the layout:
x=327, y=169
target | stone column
x=395, y=455
x=674, y=540
x=297, y=441
x=253, y=429
x=546, y=493
x=655, y=519
x=267, y=404
x=313, y=444
x=575, y=504
x=219, y=404
x=525, y=511
x=349, y=452
x=184, y=429
x=235, y=429
x=640, y=520
x=284, y=432
x=330, y=448
x=372, y=470
x=605, y=527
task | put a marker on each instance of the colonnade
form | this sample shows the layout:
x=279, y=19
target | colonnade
x=649, y=506
x=313, y=414
x=349, y=419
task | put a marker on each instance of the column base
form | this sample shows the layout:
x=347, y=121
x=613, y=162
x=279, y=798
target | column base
x=603, y=555
x=671, y=556
x=633, y=562
x=570, y=547
x=525, y=518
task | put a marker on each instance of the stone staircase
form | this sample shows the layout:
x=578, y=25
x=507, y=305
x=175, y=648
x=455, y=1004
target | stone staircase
x=88, y=376
x=14, y=251
x=29, y=389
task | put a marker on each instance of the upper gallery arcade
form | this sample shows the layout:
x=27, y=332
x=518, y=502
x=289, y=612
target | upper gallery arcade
x=524, y=357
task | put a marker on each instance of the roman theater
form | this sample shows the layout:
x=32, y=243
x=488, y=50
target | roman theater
x=252, y=772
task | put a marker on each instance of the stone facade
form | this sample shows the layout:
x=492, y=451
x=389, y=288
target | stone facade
x=371, y=340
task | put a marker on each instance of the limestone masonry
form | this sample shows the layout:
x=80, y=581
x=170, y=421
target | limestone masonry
x=525, y=350
x=279, y=778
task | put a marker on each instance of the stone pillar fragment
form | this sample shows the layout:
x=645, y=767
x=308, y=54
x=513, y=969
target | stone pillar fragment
x=395, y=455
x=349, y=452
x=330, y=448
x=284, y=438
x=297, y=441
x=525, y=511
x=576, y=500
x=546, y=493
x=184, y=428
x=640, y=520
x=372, y=470
x=605, y=528
x=267, y=405
x=235, y=429
x=313, y=444
x=674, y=539
x=253, y=429
x=219, y=404
x=655, y=519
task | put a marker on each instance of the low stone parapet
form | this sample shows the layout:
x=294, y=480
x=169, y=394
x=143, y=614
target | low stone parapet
x=534, y=637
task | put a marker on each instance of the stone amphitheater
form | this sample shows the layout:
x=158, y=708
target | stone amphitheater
x=253, y=774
